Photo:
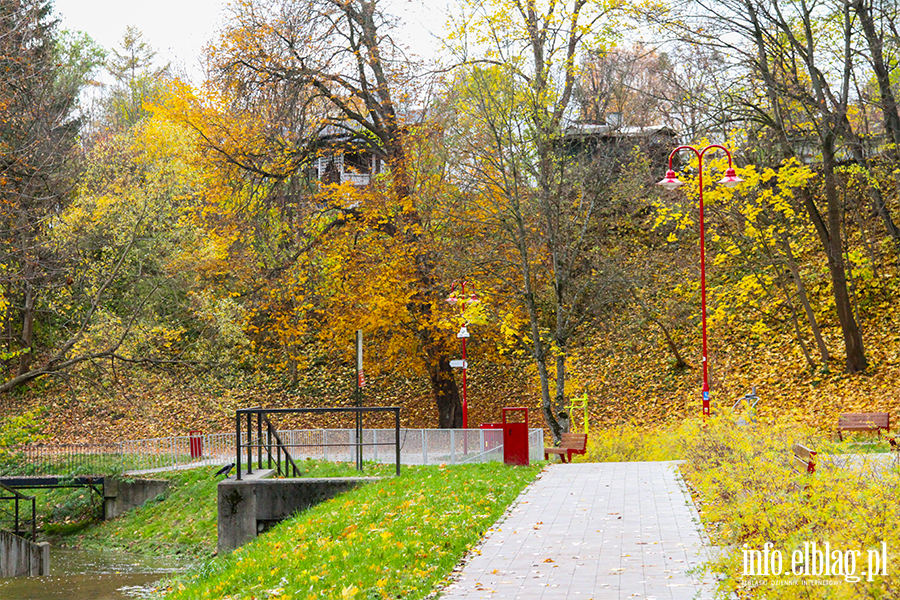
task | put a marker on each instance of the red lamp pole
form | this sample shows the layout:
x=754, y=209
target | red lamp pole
x=671, y=182
x=464, y=336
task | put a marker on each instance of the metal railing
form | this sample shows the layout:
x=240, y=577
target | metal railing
x=264, y=443
x=62, y=459
x=14, y=496
x=417, y=447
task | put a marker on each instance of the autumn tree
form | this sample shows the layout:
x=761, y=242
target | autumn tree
x=536, y=203
x=796, y=59
x=42, y=79
x=324, y=69
x=633, y=83
x=137, y=79
x=130, y=252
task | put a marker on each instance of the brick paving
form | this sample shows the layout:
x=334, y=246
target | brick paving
x=592, y=531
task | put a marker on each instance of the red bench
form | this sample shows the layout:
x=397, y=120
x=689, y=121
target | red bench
x=571, y=443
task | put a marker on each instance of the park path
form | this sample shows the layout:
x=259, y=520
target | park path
x=592, y=531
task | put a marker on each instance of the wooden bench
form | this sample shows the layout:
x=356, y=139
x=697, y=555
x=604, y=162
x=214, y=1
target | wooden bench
x=863, y=422
x=804, y=459
x=571, y=443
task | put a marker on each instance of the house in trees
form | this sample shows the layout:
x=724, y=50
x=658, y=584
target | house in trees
x=341, y=156
x=612, y=140
x=347, y=152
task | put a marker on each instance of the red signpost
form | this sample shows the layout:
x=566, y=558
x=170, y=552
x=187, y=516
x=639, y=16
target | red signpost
x=463, y=334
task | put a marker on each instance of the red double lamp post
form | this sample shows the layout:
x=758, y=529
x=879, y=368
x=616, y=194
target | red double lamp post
x=671, y=182
x=459, y=297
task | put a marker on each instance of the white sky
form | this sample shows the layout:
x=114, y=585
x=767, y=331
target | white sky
x=179, y=29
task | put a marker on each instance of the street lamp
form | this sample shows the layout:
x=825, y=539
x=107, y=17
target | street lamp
x=463, y=300
x=671, y=182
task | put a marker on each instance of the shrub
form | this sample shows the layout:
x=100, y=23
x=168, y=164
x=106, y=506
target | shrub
x=756, y=506
x=632, y=442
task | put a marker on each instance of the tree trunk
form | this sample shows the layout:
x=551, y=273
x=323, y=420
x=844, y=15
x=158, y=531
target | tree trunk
x=560, y=383
x=446, y=393
x=27, y=332
x=834, y=248
x=546, y=404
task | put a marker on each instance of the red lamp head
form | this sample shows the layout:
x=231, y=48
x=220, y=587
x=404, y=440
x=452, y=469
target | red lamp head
x=671, y=181
x=731, y=179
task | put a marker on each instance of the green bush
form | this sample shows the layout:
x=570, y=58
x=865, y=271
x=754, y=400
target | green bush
x=16, y=432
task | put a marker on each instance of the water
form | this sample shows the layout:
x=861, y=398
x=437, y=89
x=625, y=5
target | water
x=93, y=575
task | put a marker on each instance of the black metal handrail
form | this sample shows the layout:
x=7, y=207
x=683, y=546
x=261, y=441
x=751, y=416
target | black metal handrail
x=16, y=496
x=280, y=448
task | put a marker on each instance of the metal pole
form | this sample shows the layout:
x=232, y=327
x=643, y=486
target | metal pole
x=703, y=289
x=359, y=441
x=237, y=444
x=259, y=439
x=359, y=375
x=397, y=437
x=249, y=443
x=729, y=173
x=465, y=406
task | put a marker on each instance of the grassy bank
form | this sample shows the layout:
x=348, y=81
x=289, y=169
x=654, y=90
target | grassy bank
x=181, y=521
x=397, y=538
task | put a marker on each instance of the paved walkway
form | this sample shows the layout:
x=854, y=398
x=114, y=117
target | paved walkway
x=592, y=531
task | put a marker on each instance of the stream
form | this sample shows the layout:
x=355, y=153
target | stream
x=93, y=575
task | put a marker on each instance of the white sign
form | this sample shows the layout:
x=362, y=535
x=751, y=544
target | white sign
x=463, y=332
x=459, y=364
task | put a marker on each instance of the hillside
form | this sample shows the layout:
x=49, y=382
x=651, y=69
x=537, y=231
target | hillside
x=629, y=376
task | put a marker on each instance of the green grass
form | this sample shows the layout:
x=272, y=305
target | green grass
x=396, y=538
x=60, y=511
x=181, y=522
x=184, y=521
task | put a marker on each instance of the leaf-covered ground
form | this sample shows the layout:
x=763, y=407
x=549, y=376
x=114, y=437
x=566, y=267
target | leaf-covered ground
x=625, y=370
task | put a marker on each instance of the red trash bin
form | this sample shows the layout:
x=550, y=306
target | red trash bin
x=196, y=443
x=515, y=436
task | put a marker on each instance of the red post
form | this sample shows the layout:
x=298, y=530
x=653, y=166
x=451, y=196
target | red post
x=196, y=443
x=463, y=334
x=465, y=404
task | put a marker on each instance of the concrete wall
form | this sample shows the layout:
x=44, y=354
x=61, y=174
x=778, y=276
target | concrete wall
x=22, y=558
x=252, y=505
x=119, y=496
